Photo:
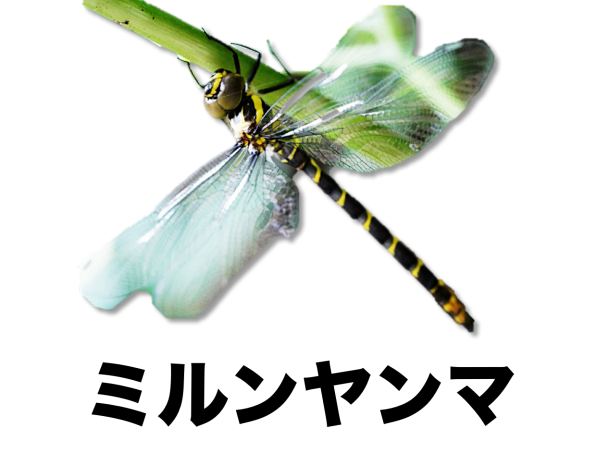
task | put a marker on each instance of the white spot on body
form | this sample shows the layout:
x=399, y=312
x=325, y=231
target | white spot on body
x=238, y=125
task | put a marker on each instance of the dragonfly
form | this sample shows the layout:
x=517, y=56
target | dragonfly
x=368, y=106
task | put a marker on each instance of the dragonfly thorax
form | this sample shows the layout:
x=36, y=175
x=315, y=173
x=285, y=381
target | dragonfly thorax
x=255, y=142
x=246, y=117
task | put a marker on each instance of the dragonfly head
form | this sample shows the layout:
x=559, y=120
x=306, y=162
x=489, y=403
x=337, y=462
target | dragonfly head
x=223, y=92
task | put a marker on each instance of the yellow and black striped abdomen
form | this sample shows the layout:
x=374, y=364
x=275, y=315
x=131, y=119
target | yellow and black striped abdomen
x=443, y=294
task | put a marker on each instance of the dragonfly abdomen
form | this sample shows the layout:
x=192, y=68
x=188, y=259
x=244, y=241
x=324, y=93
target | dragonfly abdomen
x=443, y=295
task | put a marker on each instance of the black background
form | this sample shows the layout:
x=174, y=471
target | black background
x=146, y=129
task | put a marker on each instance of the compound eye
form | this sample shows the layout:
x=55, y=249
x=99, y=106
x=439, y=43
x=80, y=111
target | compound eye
x=214, y=108
x=230, y=91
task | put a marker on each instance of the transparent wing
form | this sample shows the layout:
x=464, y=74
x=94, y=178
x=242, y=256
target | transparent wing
x=378, y=45
x=198, y=238
x=342, y=119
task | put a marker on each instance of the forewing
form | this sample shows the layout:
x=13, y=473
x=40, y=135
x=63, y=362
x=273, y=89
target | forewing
x=379, y=44
x=343, y=120
x=198, y=238
x=382, y=42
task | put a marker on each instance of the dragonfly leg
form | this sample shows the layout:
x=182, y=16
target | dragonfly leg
x=255, y=67
x=228, y=47
x=274, y=54
x=291, y=79
x=277, y=87
x=191, y=72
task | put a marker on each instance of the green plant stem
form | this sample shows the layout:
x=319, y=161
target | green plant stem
x=181, y=38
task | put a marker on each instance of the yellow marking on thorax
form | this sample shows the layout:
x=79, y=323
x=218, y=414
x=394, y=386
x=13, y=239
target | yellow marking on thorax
x=258, y=103
x=366, y=223
x=392, y=247
x=317, y=177
x=342, y=198
x=417, y=268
